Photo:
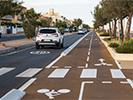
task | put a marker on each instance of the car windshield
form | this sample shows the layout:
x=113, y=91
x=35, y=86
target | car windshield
x=80, y=29
x=46, y=31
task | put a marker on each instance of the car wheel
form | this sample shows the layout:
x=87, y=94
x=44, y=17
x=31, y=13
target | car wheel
x=59, y=46
x=37, y=46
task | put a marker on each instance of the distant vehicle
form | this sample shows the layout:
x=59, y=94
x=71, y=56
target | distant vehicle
x=49, y=37
x=81, y=31
x=0, y=34
x=66, y=30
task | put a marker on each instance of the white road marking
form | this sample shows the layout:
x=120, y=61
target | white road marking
x=118, y=64
x=80, y=66
x=68, y=67
x=29, y=72
x=27, y=84
x=55, y=67
x=89, y=49
x=58, y=73
x=106, y=82
x=89, y=73
x=51, y=64
x=88, y=53
x=5, y=70
x=82, y=88
x=124, y=82
x=86, y=66
x=117, y=73
x=88, y=58
x=130, y=82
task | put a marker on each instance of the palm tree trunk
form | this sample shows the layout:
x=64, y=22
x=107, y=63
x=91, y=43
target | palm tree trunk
x=119, y=30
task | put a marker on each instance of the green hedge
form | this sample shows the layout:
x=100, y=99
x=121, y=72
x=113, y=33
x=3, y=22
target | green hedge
x=126, y=47
x=114, y=44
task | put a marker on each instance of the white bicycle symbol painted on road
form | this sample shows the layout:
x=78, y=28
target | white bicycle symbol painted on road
x=53, y=93
x=102, y=63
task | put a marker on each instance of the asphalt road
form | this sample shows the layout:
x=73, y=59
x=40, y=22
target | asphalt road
x=87, y=73
x=14, y=65
x=11, y=37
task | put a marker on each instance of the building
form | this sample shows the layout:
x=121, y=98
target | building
x=55, y=16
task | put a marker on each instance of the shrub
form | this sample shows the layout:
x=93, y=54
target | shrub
x=104, y=34
x=107, y=39
x=114, y=44
x=126, y=47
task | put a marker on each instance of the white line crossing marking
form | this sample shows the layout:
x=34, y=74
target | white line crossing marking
x=58, y=73
x=117, y=73
x=86, y=66
x=82, y=88
x=88, y=58
x=5, y=70
x=89, y=73
x=106, y=82
x=80, y=66
x=68, y=66
x=118, y=64
x=29, y=72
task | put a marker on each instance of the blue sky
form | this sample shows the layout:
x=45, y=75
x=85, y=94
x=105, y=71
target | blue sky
x=67, y=8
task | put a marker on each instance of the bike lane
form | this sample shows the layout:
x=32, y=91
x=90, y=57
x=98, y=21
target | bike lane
x=87, y=73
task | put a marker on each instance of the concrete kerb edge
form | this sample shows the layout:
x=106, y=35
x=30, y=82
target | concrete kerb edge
x=14, y=94
x=68, y=50
x=14, y=48
x=115, y=55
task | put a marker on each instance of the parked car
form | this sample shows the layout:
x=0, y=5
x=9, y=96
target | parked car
x=81, y=31
x=66, y=30
x=0, y=34
x=49, y=37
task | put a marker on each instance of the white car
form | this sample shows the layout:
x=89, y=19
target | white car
x=49, y=37
x=81, y=31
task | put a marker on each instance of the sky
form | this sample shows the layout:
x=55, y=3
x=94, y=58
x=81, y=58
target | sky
x=68, y=8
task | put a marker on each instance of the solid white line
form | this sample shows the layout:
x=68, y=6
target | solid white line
x=5, y=70
x=51, y=64
x=68, y=66
x=122, y=82
x=89, y=73
x=82, y=89
x=87, y=58
x=58, y=73
x=27, y=84
x=117, y=73
x=86, y=66
x=119, y=66
x=88, y=53
x=29, y=72
x=106, y=82
x=80, y=66
x=130, y=82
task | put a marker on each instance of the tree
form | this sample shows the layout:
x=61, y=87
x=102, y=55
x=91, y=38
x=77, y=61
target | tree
x=46, y=22
x=77, y=22
x=86, y=26
x=29, y=19
x=9, y=7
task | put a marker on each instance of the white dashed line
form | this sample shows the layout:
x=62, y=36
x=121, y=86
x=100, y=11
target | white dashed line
x=88, y=53
x=86, y=66
x=80, y=66
x=68, y=66
x=106, y=82
x=87, y=58
x=124, y=82
x=55, y=67
x=118, y=64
